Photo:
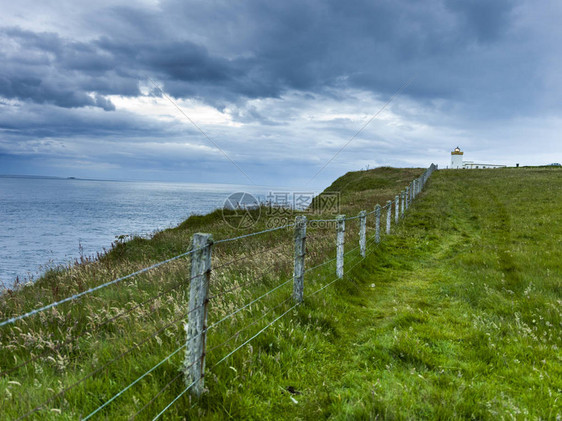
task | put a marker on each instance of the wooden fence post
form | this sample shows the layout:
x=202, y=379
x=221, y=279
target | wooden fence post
x=363, y=232
x=396, y=208
x=194, y=365
x=378, y=224
x=388, y=216
x=340, y=240
x=407, y=197
x=403, y=202
x=300, y=252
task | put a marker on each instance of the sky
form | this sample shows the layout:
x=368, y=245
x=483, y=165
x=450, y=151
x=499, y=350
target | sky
x=287, y=93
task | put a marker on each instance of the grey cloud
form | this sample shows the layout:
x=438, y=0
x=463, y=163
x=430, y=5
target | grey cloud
x=485, y=20
x=476, y=62
x=45, y=121
x=282, y=46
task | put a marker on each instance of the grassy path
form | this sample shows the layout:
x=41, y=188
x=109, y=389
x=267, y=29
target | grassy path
x=458, y=315
x=465, y=320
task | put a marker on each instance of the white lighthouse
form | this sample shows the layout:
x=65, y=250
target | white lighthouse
x=458, y=163
x=456, y=158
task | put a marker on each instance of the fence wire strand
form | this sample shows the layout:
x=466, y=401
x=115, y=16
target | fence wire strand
x=99, y=369
x=253, y=337
x=99, y=408
x=251, y=281
x=71, y=339
x=227, y=240
x=90, y=290
x=155, y=396
x=246, y=257
x=248, y=326
x=320, y=265
x=176, y=398
x=249, y=304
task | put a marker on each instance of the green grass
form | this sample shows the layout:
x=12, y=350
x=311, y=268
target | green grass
x=456, y=315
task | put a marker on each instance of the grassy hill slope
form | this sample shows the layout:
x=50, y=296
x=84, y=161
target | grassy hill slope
x=457, y=314
x=462, y=309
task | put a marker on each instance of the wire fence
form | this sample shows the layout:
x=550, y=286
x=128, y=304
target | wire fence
x=251, y=291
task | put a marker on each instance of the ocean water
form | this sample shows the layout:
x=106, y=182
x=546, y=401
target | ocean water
x=46, y=222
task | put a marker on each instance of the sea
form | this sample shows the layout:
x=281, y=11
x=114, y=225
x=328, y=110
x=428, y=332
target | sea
x=46, y=222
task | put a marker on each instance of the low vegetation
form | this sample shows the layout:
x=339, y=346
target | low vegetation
x=457, y=314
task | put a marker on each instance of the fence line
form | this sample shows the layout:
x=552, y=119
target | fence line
x=201, y=265
x=255, y=335
x=300, y=239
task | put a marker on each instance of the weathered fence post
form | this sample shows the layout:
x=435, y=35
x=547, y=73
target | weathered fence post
x=378, y=224
x=363, y=232
x=396, y=208
x=300, y=252
x=340, y=240
x=402, y=203
x=388, y=215
x=407, y=197
x=194, y=368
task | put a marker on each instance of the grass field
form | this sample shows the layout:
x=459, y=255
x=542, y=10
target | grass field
x=455, y=315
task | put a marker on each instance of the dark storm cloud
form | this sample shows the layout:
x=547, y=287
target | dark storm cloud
x=259, y=50
x=49, y=121
x=368, y=45
x=43, y=68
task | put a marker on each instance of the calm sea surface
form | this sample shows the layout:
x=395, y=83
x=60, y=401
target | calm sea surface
x=46, y=222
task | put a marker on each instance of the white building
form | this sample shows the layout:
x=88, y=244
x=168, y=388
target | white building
x=458, y=163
